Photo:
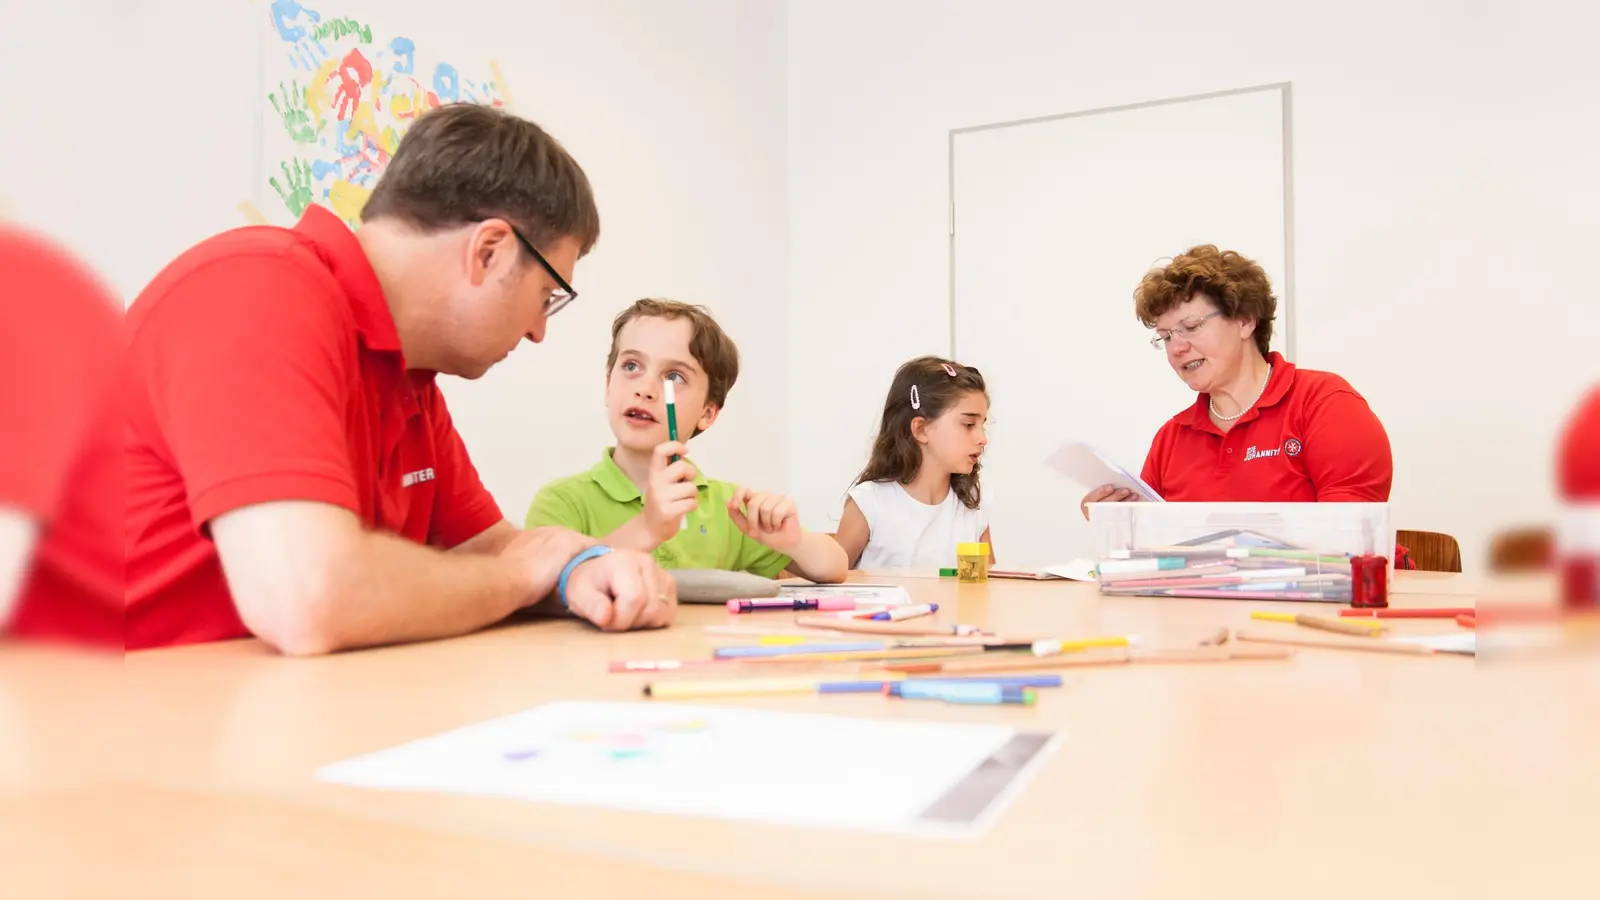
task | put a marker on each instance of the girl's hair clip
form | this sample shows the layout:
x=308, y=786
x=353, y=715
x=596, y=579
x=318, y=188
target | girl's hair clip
x=916, y=399
x=949, y=369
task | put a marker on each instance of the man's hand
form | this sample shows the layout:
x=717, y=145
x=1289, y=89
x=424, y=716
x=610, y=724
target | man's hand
x=544, y=552
x=1105, y=493
x=623, y=590
x=768, y=518
x=670, y=494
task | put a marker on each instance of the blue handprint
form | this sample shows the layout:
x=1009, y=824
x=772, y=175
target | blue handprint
x=406, y=50
x=284, y=14
x=446, y=83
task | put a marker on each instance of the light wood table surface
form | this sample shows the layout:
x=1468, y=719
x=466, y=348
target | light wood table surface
x=1329, y=774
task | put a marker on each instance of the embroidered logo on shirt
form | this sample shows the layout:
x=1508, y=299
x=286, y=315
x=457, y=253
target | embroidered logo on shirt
x=1292, y=447
x=414, y=478
x=1253, y=453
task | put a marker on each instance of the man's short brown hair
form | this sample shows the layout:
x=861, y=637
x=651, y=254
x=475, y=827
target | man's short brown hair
x=711, y=347
x=467, y=162
x=1238, y=286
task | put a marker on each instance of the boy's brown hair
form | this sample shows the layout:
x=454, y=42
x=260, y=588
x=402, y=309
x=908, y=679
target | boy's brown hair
x=1238, y=286
x=711, y=347
x=467, y=162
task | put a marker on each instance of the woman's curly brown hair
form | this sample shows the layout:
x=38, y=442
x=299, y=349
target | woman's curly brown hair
x=1238, y=286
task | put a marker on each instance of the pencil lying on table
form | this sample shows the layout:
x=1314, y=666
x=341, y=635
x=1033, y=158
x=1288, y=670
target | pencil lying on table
x=1357, y=627
x=1373, y=645
x=1118, y=658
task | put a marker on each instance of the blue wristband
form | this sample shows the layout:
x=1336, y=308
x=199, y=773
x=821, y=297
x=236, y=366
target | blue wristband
x=580, y=559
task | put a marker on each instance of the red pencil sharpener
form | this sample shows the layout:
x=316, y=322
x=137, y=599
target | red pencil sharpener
x=1369, y=582
x=1580, y=582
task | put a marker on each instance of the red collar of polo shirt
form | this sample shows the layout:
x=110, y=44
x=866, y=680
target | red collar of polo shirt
x=337, y=245
x=1278, y=384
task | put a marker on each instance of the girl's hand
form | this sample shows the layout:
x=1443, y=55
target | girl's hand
x=1105, y=493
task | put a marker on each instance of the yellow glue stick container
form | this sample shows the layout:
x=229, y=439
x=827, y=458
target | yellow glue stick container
x=972, y=563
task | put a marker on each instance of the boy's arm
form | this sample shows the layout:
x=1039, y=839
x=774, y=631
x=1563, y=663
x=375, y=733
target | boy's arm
x=771, y=520
x=819, y=558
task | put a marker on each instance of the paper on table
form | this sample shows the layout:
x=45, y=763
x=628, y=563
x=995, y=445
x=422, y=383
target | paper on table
x=1075, y=570
x=863, y=594
x=925, y=778
x=1463, y=642
x=1090, y=468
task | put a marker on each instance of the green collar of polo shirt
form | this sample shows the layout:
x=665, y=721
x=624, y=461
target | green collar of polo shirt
x=619, y=487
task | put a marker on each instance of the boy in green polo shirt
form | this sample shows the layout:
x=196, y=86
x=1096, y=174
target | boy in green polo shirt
x=637, y=498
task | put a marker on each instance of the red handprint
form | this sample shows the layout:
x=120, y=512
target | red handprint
x=354, y=73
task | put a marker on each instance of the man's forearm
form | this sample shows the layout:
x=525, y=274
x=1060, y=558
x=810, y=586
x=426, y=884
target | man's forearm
x=397, y=591
x=17, y=533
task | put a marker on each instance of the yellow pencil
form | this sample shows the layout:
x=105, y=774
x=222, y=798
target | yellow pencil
x=1358, y=627
x=1050, y=647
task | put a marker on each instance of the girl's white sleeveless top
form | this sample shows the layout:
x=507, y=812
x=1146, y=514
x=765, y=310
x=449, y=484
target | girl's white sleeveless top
x=906, y=533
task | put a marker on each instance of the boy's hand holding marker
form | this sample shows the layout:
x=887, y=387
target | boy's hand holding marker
x=670, y=493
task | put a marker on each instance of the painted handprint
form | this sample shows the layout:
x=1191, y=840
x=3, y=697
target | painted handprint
x=354, y=73
x=296, y=187
x=307, y=51
x=296, y=115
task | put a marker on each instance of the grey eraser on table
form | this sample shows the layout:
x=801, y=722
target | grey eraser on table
x=717, y=586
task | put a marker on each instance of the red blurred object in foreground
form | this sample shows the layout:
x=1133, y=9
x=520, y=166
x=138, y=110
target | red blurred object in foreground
x=60, y=459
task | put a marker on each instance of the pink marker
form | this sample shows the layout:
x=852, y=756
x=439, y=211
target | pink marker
x=820, y=603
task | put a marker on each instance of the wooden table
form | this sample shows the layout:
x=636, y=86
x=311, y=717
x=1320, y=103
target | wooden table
x=1320, y=776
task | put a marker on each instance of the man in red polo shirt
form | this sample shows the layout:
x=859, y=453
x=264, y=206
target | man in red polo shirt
x=60, y=552
x=293, y=472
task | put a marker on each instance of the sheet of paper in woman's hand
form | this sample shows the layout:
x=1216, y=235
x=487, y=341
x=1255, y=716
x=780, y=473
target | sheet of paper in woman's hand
x=1091, y=468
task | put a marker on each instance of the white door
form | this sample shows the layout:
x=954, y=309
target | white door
x=1054, y=223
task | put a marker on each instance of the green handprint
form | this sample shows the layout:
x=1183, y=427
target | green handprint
x=296, y=115
x=296, y=187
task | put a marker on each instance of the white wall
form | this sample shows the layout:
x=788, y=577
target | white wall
x=1446, y=204
x=147, y=144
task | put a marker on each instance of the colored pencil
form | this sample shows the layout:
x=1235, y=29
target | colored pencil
x=668, y=690
x=1355, y=627
x=1391, y=613
x=1374, y=646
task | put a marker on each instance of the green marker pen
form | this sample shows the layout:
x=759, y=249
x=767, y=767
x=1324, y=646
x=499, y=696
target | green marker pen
x=672, y=428
x=672, y=413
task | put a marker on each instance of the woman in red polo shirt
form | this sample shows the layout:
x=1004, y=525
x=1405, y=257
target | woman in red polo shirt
x=1260, y=429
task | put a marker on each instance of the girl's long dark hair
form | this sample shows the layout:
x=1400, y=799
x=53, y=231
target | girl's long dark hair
x=936, y=384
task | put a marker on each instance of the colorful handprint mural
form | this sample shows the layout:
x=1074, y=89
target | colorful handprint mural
x=344, y=96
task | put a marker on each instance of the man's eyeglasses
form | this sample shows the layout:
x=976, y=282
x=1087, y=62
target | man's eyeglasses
x=1184, y=330
x=563, y=294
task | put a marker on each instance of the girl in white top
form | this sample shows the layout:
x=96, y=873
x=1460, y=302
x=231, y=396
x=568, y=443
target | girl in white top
x=918, y=496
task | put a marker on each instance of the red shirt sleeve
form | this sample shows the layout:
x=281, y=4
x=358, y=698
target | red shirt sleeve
x=60, y=339
x=1578, y=466
x=462, y=507
x=249, y=364
x=1347, y=450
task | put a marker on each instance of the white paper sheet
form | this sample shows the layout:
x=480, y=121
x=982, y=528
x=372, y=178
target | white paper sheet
x=1091, y=469
x=782, y=768
x=1464, y=642
x=863, y=594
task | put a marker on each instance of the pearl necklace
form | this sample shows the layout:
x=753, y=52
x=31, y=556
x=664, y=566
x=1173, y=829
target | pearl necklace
x=1222, y=418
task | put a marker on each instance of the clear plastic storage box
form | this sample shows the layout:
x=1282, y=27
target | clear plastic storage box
x=1237, y=551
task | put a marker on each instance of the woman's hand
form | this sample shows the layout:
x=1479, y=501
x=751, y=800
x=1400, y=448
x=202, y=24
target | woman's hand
x=1105, y=493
